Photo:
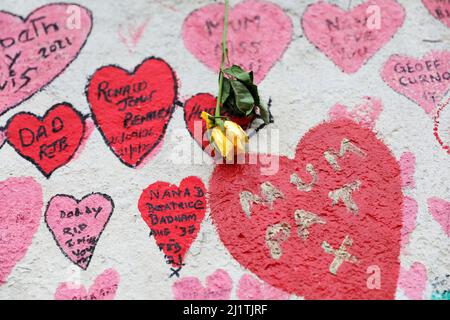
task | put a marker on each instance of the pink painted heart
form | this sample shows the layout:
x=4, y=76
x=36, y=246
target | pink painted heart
x=20, y=211
x=410, y=209
x=408, y=168
x=413, y=281
x=440, y=9
x=351, y=38
x=78, y=225
x=259, y=33
x=218, y=287
x=104, y=288
x=425, y=81
x=250, y=288
x=366, y=114
x=440, y=210
x=35, y=50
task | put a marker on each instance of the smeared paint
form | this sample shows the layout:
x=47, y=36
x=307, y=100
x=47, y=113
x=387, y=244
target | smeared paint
x=249, y=288
x=218, y=287
x=440, y=210
x=104, y=288
x=413, y=281
x=366, y=113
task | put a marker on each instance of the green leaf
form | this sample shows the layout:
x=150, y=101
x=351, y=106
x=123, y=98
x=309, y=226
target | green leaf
x=254, y=91
x=244, y=99
x=226, y=89
x=240, y=74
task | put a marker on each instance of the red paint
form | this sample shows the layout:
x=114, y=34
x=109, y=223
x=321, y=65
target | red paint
x=425, y=81
x=303, y=268
x=49, y=142
x=258, y=35
x=440, y=9
x=174, y=214
x=441, y=123
x=193, y=108
x=38, y=48
x=133, y=129
x=349, y=38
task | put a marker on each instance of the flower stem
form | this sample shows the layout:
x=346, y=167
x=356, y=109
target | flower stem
x=222, y=64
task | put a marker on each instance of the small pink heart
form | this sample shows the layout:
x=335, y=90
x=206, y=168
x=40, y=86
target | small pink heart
x=250, y=288
x=425, y=81
x=410, y=209
x=39, y=48
x=440, y=210
x=218, y=287
x=103, y=288
x=78, y=225
x=351, y=38
x=407, y=169
x=366, y=114
x=413, y=281
x=440, y=9
x=20, y=211
x=258, y=35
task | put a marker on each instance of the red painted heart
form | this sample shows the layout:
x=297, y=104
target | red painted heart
x=425, y=81
x=48, y=142
x=35, y=50
x=258, y=35
x=174, y=215
x=351, y=38
x=440, y=9
x=193, y=108
x=132, y=110
x=322, y=223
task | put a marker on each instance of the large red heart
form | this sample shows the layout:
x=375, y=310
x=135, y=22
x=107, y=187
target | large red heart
x=35, y=50
x=424, y=81
x=340, y=197
x=440, y=9
x=48, y=142
x=258, y=35
x=132, y=110
x=193, y=108
x=351, y=38
x=174, y=215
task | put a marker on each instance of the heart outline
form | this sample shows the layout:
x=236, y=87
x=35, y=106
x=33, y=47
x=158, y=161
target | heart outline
x=41, y=119
x=77, y=202
x=25, y=19
x=131, y=74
